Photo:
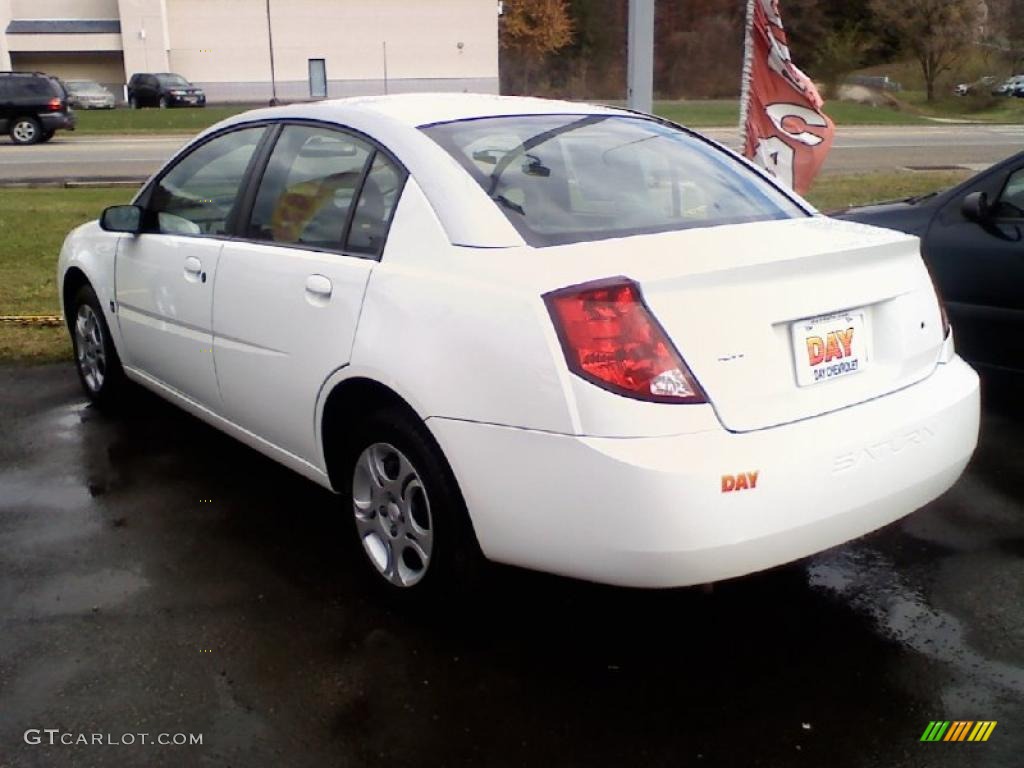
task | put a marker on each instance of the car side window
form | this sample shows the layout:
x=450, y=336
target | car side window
x=1011, y=202
x=197, y=195
x=376, y=203
x=308, y=188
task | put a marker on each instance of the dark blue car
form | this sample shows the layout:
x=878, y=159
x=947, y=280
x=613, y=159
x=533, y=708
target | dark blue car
x=973, y=240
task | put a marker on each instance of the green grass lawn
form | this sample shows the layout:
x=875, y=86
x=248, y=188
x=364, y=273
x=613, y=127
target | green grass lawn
x=982, y=108
x=830, y=193
x=719, y=113
x=33, y=223
x=180, y=120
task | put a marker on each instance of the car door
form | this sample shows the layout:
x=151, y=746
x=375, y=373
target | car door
x=147, y=90
x=6, y=111
x=289, y=292
x=980, y=269
x=165, y=275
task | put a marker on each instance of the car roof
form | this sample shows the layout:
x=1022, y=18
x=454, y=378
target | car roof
x=420, y=109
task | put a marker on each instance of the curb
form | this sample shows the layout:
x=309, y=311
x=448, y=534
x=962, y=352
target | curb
x=39, y=321
x=69, y=183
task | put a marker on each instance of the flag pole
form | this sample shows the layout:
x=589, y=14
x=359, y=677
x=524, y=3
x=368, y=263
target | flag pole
x=748, y=65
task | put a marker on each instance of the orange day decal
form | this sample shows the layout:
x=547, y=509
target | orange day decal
x=835, y=346
x=742, y=482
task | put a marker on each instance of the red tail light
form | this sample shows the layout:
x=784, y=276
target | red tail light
x=611, y=339
x=55, y=105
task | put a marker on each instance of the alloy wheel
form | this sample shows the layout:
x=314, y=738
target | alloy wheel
x=392, y=514
x=24, y=131
x=90, y=349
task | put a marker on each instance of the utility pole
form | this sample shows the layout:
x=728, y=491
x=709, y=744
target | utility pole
x=270, y=45
x=640, y=56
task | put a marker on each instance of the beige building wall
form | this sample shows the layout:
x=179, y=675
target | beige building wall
x=5, y=19
x=369, y=46
x=65, y=42
x=104, y=67
x=64, y=9
x=144, y=35
x=222, y=45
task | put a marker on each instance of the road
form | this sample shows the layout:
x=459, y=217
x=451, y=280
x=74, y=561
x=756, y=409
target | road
x=862, y=149
x=158, y=577
x=857, y=149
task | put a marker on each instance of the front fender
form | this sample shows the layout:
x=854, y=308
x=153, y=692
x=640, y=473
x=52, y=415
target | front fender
x=92, y=252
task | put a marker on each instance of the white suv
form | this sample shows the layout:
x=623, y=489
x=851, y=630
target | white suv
x=565, y=337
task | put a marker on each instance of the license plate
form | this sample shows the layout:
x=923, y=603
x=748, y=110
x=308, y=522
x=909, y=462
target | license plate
x=829, y=347
x=192, y=99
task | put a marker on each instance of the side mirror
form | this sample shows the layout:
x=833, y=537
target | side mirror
x=122, y=218
x=975, y=207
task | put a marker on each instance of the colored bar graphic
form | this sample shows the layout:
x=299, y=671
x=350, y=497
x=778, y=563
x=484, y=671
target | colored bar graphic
x=935, y=730
x=958, y=730
x=982, y=730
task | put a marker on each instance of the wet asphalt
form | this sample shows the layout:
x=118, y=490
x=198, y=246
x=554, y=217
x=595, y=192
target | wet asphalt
x=158, y=577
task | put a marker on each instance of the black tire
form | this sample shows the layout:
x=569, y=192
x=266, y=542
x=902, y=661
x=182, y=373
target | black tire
x=26, y=130
x=456, y=564
x=164, y=103
x=133, y=103
x=86, y=339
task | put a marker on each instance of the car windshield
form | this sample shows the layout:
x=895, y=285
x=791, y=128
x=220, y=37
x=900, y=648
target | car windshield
x=572, y=178
x=173, y=81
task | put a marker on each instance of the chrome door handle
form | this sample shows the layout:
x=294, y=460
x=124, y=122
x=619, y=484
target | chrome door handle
x=319, y=287
x=194, y=269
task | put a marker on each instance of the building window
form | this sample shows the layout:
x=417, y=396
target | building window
x=318, y=78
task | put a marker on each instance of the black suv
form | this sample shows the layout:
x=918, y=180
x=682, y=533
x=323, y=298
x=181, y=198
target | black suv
x=33, y=106
x=163, y=89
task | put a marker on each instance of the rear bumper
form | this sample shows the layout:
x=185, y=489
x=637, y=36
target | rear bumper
x=58, y=121
x=651, y=512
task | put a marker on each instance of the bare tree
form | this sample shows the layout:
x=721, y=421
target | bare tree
x=937, y=32
x=840, y=53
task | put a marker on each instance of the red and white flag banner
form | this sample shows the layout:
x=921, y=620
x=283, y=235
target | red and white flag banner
x=784, y=129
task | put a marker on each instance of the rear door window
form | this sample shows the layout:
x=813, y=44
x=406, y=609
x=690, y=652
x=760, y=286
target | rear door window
x=308, y=187
x=377, y=200
x=326, y=189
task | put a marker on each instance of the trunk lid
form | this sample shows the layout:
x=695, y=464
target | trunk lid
x=744, y=306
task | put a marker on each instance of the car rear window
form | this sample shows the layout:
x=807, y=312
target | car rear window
x=572, y=178
x=33, y=88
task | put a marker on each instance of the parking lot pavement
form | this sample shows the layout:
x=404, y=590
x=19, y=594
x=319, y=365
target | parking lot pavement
x=157, y=577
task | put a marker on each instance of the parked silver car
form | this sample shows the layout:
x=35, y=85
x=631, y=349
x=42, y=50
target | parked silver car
x=88, y=94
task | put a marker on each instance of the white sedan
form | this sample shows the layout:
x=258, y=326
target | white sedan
x=565, y=337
